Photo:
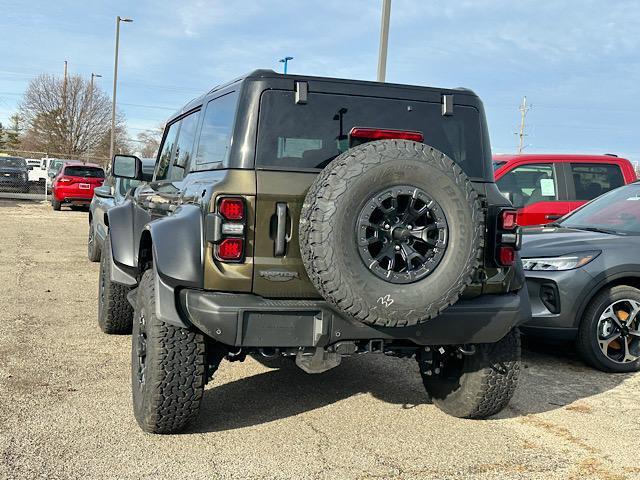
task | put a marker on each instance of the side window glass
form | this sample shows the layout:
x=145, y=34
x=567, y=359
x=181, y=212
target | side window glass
x=184, y=146
x=529, y=184
x=592, y=179
x=217, y=130
x=166, y=153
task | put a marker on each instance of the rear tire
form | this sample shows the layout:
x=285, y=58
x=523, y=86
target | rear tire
x=168, y=367
x=115, y=314
x=478, y=385
x=56, y=204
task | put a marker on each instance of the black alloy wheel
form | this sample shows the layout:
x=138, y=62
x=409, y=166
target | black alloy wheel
x=402, y=234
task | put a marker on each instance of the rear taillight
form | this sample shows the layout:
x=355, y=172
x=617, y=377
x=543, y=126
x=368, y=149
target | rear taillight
x=507, y=237
x=230, y=229
x=384, y=134
x=508, y=220
x=231, y=208
x=64, y=179
x=231, y=249
x=506, y=256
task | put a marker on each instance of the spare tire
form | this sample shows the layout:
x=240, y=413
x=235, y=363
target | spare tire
x=391, y=232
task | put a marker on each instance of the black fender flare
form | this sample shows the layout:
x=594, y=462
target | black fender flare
x=177, y=246
x=120, y=223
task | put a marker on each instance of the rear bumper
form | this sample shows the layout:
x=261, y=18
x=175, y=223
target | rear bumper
x=73, y=196
x=251, y=321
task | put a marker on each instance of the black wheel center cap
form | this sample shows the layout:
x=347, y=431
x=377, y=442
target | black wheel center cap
x=400, y=233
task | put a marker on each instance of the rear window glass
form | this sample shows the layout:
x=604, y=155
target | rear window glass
x=84, y=172
x=310, y=135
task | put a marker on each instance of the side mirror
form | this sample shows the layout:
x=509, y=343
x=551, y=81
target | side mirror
x=103, y=192
x=127, y=166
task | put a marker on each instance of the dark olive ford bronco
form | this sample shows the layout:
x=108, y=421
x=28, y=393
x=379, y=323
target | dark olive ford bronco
x=316, y=218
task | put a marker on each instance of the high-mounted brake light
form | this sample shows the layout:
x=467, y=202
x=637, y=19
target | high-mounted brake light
x=384, y=134
x=231, y=249
x=232, y=208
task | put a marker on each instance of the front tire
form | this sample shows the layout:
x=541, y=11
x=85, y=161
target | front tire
x=115, y=314
x=609, y=333
x=93, y=245
x=168, y=369
x=473, y=386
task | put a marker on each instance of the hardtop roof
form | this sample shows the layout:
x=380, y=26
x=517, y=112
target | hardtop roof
x=266, y=74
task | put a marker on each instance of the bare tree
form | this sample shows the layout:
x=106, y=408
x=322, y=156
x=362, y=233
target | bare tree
x=71, y=118
x=148, y=142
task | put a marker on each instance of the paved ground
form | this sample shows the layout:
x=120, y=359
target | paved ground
x=65, y=409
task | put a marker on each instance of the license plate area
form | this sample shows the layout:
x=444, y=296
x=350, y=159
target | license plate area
x=283, y=329
x=84, y=186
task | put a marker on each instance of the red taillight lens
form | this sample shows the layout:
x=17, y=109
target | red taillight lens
x=232, y=208
x=384, y=134
x=508, y=220
x=230, y=249
x=64, y=179
x=506, y=256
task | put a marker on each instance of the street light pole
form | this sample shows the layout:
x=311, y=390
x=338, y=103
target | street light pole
x=285, y=60
x=115, y=83
x=93, y=75
x=384, y=40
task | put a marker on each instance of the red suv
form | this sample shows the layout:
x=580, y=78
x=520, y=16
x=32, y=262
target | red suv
x=75, y=183
x=545, y=187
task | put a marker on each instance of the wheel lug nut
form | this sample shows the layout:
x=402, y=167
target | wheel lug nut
x=409, y=227
x=397, y=247
x=387, y=226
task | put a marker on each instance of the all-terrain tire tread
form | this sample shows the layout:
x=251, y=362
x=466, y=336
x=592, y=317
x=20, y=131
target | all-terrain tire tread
x=116, y=316
x=178, y=376
x=494, y=370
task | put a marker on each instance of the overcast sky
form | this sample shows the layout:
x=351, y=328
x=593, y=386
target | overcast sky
x=577, y=61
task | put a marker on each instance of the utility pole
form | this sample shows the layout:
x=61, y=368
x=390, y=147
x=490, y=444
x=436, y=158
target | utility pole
x=285, y=60
x=115, y=83
x=384, y=40
x=524, y=109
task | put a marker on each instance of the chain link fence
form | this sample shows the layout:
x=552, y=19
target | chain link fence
x=25, y=174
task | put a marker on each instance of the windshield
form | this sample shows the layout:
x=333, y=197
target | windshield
x=81, y=171
x=12, y=162
x=311, y=135
x=617, y=211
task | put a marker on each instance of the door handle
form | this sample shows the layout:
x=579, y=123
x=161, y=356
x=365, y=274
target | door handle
x=281, y=229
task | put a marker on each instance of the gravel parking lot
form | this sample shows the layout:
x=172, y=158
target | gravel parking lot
x=65, y=398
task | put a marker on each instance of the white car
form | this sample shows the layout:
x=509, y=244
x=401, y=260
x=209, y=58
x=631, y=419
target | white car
x=37, y=170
